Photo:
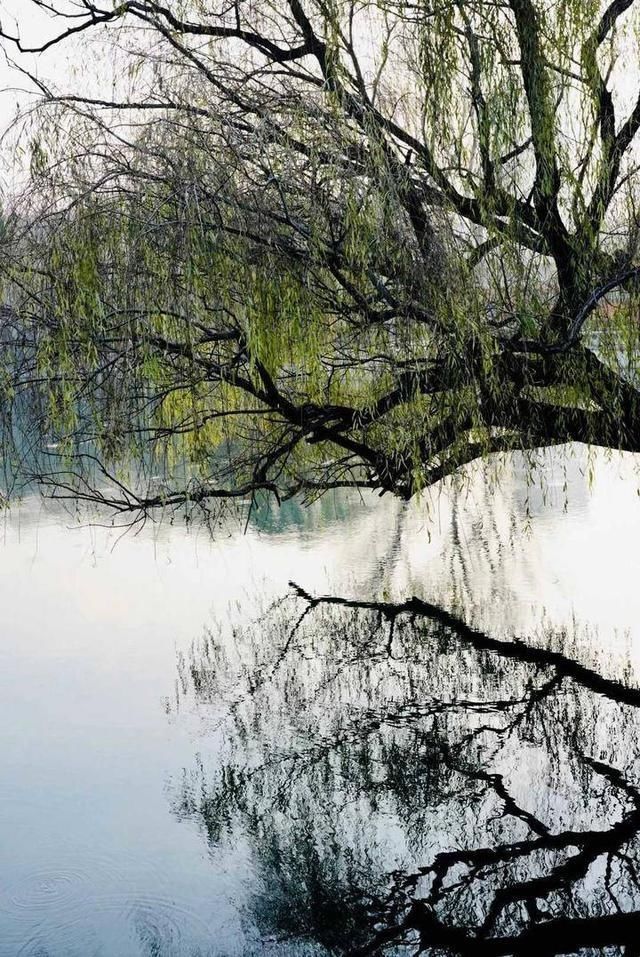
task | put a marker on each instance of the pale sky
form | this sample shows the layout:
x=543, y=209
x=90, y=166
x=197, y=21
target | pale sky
x=85, y=65
x=73, y=66
x=68, y=63
x=20, y=17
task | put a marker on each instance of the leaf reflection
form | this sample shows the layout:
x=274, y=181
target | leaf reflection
x=405, y=780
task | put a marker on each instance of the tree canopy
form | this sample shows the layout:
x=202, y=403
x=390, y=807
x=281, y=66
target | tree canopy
x=312, y=244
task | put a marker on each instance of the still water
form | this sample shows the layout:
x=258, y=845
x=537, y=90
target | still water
x=199, y=758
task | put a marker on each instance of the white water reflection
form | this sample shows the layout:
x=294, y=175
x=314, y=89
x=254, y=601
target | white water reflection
x=91, y=859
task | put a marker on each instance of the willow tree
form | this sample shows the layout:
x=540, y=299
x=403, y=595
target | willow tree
x=311, y=244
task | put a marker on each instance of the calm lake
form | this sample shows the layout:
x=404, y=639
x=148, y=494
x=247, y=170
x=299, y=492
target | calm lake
x=199, y=759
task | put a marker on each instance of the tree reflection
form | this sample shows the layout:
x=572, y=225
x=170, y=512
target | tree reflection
x=404, y=780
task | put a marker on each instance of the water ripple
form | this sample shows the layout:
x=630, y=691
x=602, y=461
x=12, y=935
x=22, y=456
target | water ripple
x=148, y=924
x=49, y=888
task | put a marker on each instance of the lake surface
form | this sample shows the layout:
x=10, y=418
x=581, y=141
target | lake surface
x=199, y=758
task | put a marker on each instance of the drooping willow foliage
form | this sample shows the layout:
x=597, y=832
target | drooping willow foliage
x=323, y=243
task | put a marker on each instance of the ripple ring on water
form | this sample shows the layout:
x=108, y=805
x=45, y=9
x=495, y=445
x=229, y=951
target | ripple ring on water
x=152, y=921
x=48, y=888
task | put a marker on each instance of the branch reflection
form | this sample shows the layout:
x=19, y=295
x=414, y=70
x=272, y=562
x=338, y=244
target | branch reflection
x=402, y=779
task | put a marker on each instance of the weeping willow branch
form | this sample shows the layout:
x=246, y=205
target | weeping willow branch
x=307, y=246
